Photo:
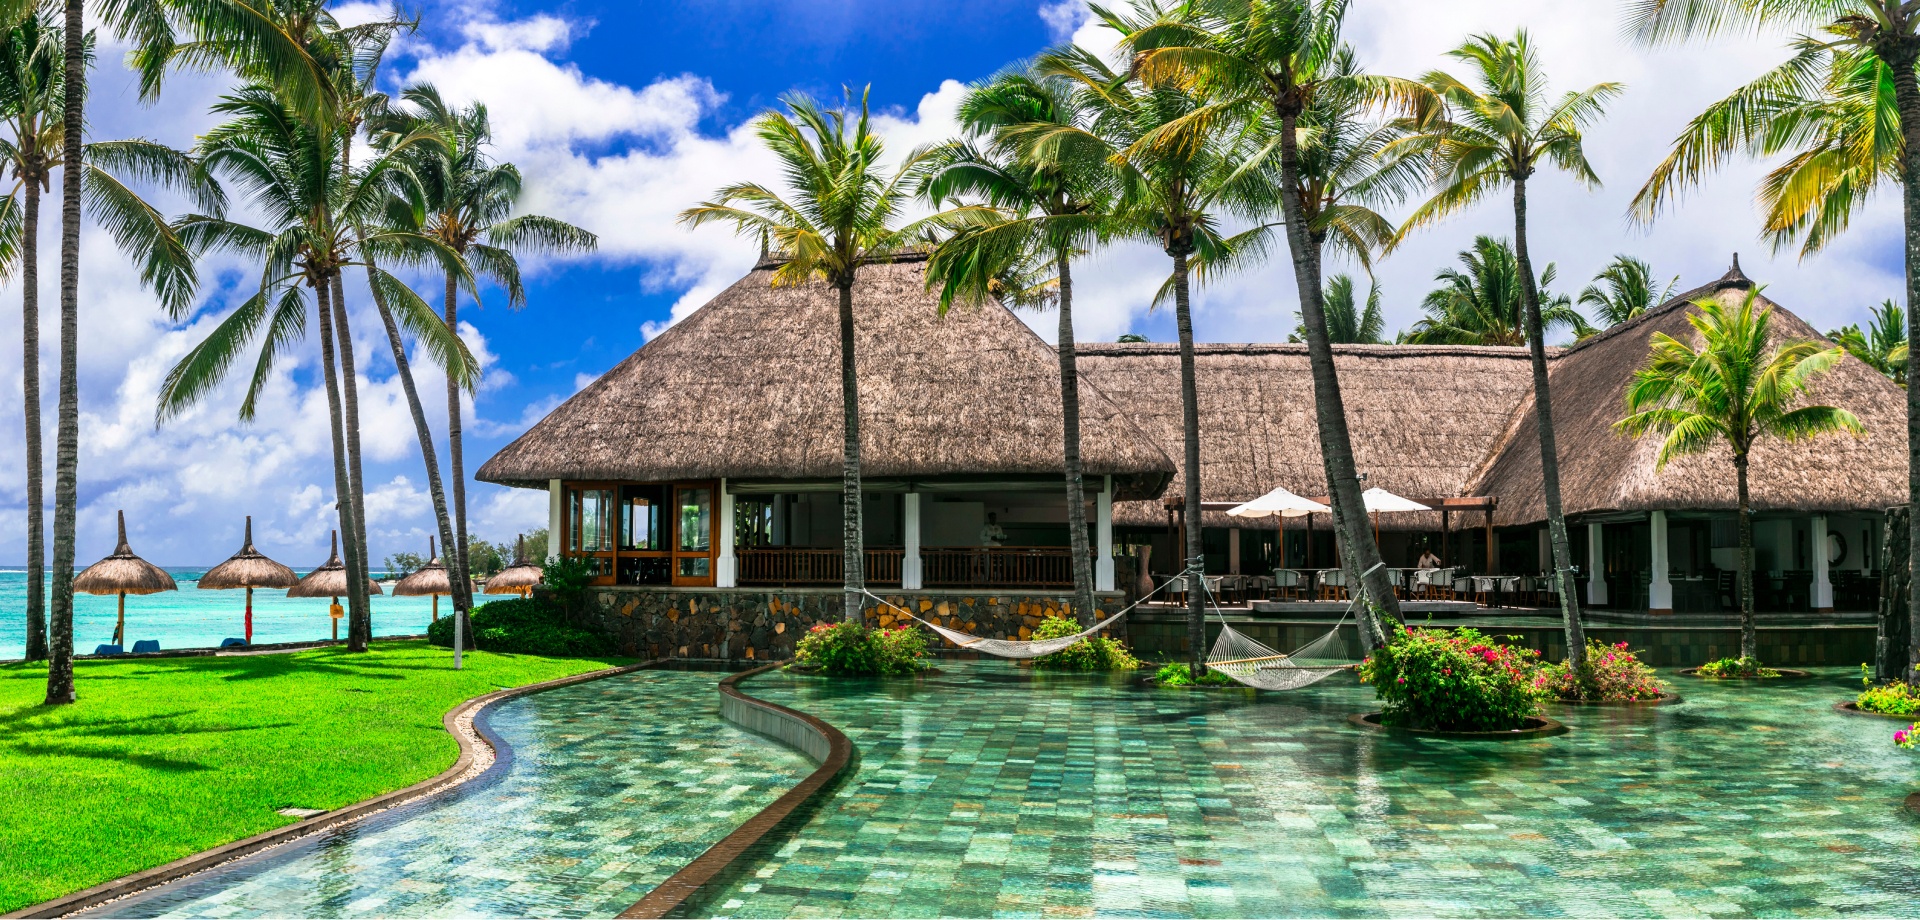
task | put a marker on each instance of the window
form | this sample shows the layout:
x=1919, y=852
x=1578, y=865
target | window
x=642, y=516
x=642, y=533
x=693, y=535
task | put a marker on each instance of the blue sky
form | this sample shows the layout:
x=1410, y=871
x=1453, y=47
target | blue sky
x=621, y=114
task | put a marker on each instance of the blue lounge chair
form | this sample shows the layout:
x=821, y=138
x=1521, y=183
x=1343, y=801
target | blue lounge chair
x=146, y=645
x=108, y=650
x=231, y=642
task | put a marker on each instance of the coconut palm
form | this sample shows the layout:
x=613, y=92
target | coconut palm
x=1047, y=212
x=1882, y=345
x=845, y=210
x=1279, y=68
x=1347, y=322
x=1880, y=41
x=313, y=214
x=1735, y=387
x=1481, y=302
x=1494, y=135
x=1630, y=290
x=470, y=203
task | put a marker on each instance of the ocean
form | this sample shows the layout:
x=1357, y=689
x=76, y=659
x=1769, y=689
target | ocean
x=192, y=618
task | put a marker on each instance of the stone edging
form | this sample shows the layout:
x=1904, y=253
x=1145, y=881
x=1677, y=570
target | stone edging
x=477, y=756
x=1785, y=674
x=1546, y=728
x=1666, y=698
x=1853, y=709
x=818, y=740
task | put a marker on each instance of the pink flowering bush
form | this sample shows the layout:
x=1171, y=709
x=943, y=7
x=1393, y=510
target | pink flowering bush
x=1454, y=680
x=853, y=650
x=1908, y=737
x=1612, y=673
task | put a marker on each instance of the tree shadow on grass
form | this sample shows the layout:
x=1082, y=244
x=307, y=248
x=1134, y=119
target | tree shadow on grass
x=145, y=761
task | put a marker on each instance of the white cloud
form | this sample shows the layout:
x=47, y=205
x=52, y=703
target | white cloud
x=1063, y=17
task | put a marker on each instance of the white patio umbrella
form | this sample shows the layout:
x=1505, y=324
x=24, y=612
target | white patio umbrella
x=1279, y=503
x=1378, y=500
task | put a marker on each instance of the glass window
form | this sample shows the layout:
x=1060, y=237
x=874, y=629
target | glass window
x=645, y=570
x=642, y=513
x=696, y=520
x=696, y=566
x=592, y=530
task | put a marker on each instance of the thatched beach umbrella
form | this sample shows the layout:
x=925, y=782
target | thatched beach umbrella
x=123, y=573
x=330, y=581
x=519, y=578
x=430, y=579
x=249, y=569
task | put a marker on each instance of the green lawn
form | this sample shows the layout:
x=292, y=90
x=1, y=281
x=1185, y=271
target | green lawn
x=162, y=758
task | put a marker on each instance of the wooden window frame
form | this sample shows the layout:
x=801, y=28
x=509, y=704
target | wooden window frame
x=670, y=531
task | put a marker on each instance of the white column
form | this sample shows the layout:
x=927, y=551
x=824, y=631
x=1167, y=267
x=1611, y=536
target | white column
x=556, y=537
x=725, y=574
x=1822, y=584
x=1103, y=538
x=910, y=577
x=1596, y=566
x=1659, y=587
x=1233, y=551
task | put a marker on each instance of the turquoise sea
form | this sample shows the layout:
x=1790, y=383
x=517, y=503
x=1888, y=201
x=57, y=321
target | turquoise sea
x=192, y=618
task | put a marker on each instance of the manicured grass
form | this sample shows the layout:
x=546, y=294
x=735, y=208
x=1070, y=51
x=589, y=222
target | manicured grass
x=163, y=758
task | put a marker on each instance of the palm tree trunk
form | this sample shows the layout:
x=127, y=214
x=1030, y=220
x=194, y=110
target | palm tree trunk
x=1084, y=610
x=852, y=527
x=66, y=459
x=1749, y=640
x=457, y=550
x=1906, y=93
x=360, y=609
x=1194, y=566
x=1336, y=444
x=36, y=461
x=342, y=486
x=1549, y=451
x=461, y=598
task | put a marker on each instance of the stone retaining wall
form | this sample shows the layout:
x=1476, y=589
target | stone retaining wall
x=762, y=624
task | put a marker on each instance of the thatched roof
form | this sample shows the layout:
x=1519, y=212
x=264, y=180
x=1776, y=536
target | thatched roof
x=249, y=569
x=1422, y=417
x=1602, y=471
x=330, y=579
x=517, y=577
x=123, y=572
x=748, y=387
x=428, y=579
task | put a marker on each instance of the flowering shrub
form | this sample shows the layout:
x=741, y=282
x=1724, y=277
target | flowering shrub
x=1176, y=674
x=1736, y=667
x=1454, y=681
x=1895, y=699
x=1612, y=673
x=1094, y=653
x=1908, y=737
x=851, y=649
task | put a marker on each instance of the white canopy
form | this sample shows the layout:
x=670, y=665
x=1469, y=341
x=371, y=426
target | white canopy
x=1382, y=500
x=1279, y=502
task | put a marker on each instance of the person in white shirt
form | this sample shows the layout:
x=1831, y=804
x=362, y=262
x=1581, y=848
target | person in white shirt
x=1428, y=560
x=992, y=535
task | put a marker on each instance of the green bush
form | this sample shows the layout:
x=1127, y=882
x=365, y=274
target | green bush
x=565, y=579
x=1455, y=680
x=1895, y=699
x=1613, y=673
x=1736, y=667
x=524, y=626
x=1175, y=674
x=1094, y=653
x=853, y=650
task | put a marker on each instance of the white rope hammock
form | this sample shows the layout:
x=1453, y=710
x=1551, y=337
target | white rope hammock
x=1252, y=663
x=1014, y=648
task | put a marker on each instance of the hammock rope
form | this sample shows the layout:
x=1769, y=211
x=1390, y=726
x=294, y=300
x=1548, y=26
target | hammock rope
x=1016, y=648
x=1252, y=663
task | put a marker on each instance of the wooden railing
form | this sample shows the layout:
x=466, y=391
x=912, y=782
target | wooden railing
x=952, y=567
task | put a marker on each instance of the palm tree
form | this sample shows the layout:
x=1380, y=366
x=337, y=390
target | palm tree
x=1481, y=303
x=1736, y=387
x=1882, y=345
x=845, y=211
x=1880, y=40
x=314, y=214
x=1347, y=323
x=1496, y=136
x=1629, y=290
x=470, y=201
x=1048, y=211
x=1279, y=68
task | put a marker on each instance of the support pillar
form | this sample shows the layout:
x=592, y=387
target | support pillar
x=1659, y=586
x=556, y=526
x=1233, y=551
x=1596, y=567
x=726, y=571
x=1822, y=583
x=1103, y=538
x=1544, y=540
x=910, y=574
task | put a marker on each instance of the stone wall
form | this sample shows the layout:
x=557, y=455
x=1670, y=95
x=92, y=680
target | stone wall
x=762, y=624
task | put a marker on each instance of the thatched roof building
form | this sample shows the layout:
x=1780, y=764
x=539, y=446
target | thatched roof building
x=1602, y=471
x=1423, y=418
x=748, y=387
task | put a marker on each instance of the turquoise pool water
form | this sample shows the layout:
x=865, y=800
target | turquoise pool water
x=192, y=618
x=613, y=786
x=989, y=791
